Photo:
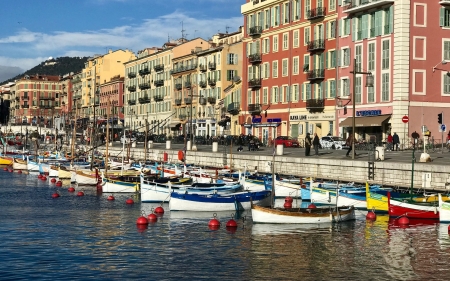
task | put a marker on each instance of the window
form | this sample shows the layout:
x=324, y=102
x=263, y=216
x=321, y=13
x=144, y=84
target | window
x=265, y=96
x=385, y=87
x=332, y=28
x=231, y=74
x=332, y=5
x=249, y=97
x=319, y=90
x=446, y=84
x=257, y=96
x=306, y=39
x=444, y=17
x=447, y=50
x=371, y=93
x=296, y=38
x=308, y=91
x=275, y=16
x=385, y=59
x=332, y=58
x=307, y=8
x=232, y=59
x=345, y=87
x=266, y=70
x=285, y=41
x=266, y=45
x=286, y=13
x=275, y=43
x=284, y=71
x=306, y=63
x=275, y=94
x=332, y=88
x=295, y=65
x=266, y=19
x=346, y=27
x=275, y=69
x=285, y=96
x=295, y=92
x=371, y=63
x=358, y=57
x=358, y=90
x=296, y=10
x=346, y=57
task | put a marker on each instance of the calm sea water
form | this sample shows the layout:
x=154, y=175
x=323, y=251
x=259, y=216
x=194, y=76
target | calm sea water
x=79, y=238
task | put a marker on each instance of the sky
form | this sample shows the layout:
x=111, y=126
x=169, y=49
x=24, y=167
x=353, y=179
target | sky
x=32, y=31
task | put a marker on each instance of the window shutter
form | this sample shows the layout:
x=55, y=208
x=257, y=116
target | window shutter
x=278, y=15
x=441, y=16
x=272, y=17
x=299, y=9
x=391, y=19
x=248, y=24
x=303, y=91
x=364, y=26
x=339, y=2
x=235, y=58
x=353, y=29
x=326, y=59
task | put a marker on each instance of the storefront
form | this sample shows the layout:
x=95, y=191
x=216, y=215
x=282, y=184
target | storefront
x=371, y=125
x=303, y=123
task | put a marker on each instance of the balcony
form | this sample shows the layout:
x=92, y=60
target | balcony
x=211, y=82
x=132, y=88
x=144, y=71
x=187, y=85
x=254, y=83
x=355, y=6
x=77, y=97
x=159, y=83
x=25, y=106
x=177, y=102
x=254, y=109
x=212, y=100
x=131, y=102
x=202, y=101
x=202, y=84
x=178, y=86
x=46, y=106
x=234, y=108
x=25, y=98
x=131, y=74
x=212, y=65
x=255, y=31
x=444, y=2
x=255, y=2
x=158, y=98
x=316, y=74
x=144, y=86
x=202, y=67
x=144, y=100
x=17, y=98
x=316, y=45
x=182, y=116
x=188, y=101
x=17, y=106
x=315, y=105
x=316, y=13
x=255, y=58
x=46, y=98
x=159, y=67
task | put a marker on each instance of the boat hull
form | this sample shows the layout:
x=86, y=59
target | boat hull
x=33, y=166
x=444, y=210
x=302, y=216
x=19, y=164
x=328, y=197
x=414, y=211
x=85, y=179
x=6, y=161
x=113, y=186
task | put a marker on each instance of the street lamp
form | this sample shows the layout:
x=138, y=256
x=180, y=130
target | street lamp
x=444, y=62
x=369, y=83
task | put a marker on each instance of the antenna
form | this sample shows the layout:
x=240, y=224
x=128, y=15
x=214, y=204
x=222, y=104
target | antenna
x=182, y=31
x=226, y=28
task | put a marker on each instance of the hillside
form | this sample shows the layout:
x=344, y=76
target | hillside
x=56, y=66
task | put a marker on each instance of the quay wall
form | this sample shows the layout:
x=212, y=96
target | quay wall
x=385, y=173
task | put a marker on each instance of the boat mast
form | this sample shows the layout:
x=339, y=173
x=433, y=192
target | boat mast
x=146, y=145
x=107, y=138
x=74, y=133
x=272, y=194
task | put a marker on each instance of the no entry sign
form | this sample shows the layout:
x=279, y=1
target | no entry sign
x=405, y=119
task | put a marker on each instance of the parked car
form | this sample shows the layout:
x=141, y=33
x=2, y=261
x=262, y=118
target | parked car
x=287, y=141
x=127, y=139
x=332, y=142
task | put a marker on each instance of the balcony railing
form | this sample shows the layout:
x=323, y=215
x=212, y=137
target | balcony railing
x=202, y=101
x=187, y=100
x=354, y=6
x=212, y=100
x=132, y=88
x=177, y=102
x=211, y=82
x=202, y=84
x=17, y=106
x=144, y=86
x=144, y=100
x=254, y=109
x=212, y=66
x=316, y=13
x=178, y=86
x=234, y=108
x=159, y=83
x=144, y=71
x=315, y=105
x=25, y=106
x=46, y=98
x=254, y=83
x=159, y=67
x=182, y=116
x=316, y=74
x=255, y=2
x=187, y=84
x=130, y=75
x=24, y=97
x=202, y=67
x=131, y=102
x=77, y=97
x=316, y=45
x=255, y=30
x=255, y=58
x=182, y=68
x=158, y=98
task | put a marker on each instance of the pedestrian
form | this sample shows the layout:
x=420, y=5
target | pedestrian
x=316, y=144
x=396, y=141
x=307, y=144
x=349, y=143
x=390, y=141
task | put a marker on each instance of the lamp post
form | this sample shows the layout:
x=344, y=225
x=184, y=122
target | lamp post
x=369, y=83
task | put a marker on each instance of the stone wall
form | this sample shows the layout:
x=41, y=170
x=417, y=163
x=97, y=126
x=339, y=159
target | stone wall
x=386, y=173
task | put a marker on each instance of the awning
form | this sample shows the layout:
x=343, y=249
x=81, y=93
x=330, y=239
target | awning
x=368, y=121
x=175, y=124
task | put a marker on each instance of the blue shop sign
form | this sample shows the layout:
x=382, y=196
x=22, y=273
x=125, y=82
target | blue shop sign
x=274, y=120
x=256, y=120
x=368, y=112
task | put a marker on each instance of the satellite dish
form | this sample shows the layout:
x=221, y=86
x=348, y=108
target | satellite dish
x=236, y=78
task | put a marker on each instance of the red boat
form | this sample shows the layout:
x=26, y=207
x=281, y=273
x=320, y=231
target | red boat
x=415, y=211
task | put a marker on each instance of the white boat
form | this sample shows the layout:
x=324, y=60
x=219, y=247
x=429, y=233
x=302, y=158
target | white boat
x=32, y=166
x=444, y=210
x=328, y=197
x=284, y=189
x=20, y=164
x=53, y=171
x=116, y=186
x=65, y=173
x=86, y=177
x=302, y=215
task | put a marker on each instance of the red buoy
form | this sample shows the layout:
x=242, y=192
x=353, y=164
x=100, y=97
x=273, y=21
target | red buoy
x=159, y=210
x=181, y=155
x=449, y=229
x=71, y=189
x=287, y=205
x=19, y=171
x=403, y=221
x=53, y=180
x=11, y=170
x=80, y=193
x=371, y=216
x=142, y=221
x=289, y=199
x=141, y=227
x=55, y=195
x=311, y=206
x=44, y=178
x=39, y=176
x=59, y=183
x=214, y=224
x=152, y=218
x=111, y=198
x=5, y=169
x=129, y=201
x=231, y=223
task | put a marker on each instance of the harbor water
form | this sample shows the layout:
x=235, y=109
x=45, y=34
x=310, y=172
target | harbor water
x=89, y=237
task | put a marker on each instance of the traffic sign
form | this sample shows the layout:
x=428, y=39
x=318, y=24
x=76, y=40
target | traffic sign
x=405, y=119
x=442, y=128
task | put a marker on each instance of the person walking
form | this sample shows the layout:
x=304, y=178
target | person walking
x=316, y=143
x=390, y=141
x=349, y=143
x=395, y=141
x=307, y=144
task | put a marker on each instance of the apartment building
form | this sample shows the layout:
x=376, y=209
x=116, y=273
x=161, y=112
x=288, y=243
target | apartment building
x=5, y=100
x=289, y=72
x=111, y=101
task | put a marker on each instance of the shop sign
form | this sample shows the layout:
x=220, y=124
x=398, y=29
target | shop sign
x=312, y=117
x=375, y=112
x=297, y=117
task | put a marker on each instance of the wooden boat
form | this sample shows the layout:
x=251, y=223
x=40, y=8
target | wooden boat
x=64, y=173
x=284, y=189
x=117, y=186
x=19, y=164
x=347, y=197
x=6, y=160
x=416, y=211
x=444, y=210
x=302, y=215
x=85, y=178
x=218, y=202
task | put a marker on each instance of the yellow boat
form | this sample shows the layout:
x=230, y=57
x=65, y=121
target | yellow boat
x=6, y=160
